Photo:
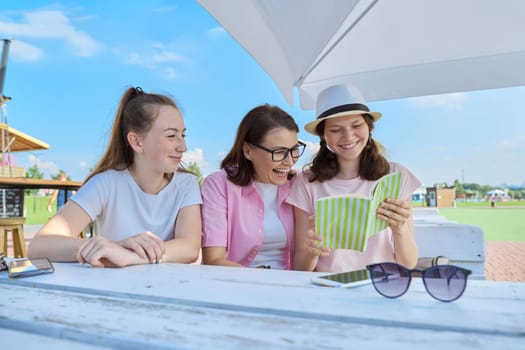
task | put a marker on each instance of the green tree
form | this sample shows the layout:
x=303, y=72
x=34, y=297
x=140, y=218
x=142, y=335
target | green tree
x=458, y=186
x=485, y=188
x=194, y=168
x=57, y=175
x=33, y=173
x=472, y=186
x=441, y=185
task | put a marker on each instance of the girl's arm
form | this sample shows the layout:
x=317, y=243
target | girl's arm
x=217, y=256
x=398, y=213
x=185, y=247
x=58, y=241
x=58, y=238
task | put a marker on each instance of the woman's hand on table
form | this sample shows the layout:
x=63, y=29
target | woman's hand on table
x=146, y=245
x=101, y=252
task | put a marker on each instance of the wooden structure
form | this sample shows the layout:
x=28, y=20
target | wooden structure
x=440, y=196
x=15, y=226
x=28, y=183
x=12, y=192
x=12, y=204
x=16, y=141
x=176, y=306
x=19, y=141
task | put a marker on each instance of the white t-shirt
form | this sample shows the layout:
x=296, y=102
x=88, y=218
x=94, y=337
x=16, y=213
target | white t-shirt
x=273, y=249
x=122, y=209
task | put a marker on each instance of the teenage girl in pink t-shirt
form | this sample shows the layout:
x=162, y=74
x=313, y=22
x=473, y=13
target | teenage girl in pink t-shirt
x=349, y=161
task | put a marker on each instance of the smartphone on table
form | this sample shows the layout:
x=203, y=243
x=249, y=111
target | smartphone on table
x=29, y=267
x=344, y=279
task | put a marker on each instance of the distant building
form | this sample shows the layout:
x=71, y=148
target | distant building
x=420, y=194
x=440, y=196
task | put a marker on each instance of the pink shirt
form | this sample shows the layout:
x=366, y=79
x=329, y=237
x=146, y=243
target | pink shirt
x=233, y=217
x=380, y=247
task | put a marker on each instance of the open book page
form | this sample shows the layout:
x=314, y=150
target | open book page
x=347, y=221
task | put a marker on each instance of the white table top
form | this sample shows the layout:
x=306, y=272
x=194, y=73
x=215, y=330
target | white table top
x=198, y=307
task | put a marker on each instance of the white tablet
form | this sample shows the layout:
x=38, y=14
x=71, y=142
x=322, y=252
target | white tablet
x=344, y=279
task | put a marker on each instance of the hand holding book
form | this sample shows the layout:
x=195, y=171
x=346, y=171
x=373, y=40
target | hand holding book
x=347, y=221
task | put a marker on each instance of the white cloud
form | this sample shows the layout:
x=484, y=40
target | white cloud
x=311, y=148
x=84, y=165
x=216, y=31
x=159, y=57
x=83, y=45
x=167, y=56
x=85, y=18
x=195, y=155
x=48, y=167
x=506, y=144
x=171, y=73
x=52, y=25
x=25, y=52
x=452, y=101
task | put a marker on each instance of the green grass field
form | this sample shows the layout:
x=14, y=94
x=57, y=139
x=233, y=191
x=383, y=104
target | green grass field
x=36, y=210
x=502, y=223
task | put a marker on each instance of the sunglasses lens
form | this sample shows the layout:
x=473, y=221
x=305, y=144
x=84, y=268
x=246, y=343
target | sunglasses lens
x=390, y=280
x=445, y=283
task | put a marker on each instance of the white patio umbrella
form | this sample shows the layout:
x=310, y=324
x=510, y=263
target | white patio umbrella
x=387, y=49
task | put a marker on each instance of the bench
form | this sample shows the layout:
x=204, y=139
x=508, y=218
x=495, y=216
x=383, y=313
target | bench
x=464, y=245
x=428, y=215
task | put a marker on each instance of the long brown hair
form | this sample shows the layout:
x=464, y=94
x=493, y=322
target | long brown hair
x=372, y=162
x=136, y=112
x=253, y=129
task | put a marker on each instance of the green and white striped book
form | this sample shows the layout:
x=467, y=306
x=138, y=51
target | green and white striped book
x=347, y=221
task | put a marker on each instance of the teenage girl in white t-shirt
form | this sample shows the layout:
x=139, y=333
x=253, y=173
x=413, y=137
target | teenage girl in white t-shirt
x=147, y=208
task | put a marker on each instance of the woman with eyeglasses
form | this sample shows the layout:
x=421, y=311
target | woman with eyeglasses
x=350, y=161
x=246, y=221
x=146, y=206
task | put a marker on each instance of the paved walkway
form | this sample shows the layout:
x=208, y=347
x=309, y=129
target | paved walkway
x=504, y=261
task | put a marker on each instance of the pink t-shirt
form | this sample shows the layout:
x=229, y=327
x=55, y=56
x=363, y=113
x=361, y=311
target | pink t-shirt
x=233, y=217
x=380, y=247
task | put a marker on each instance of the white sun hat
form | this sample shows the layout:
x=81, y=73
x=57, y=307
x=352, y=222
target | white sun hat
x=338, y=101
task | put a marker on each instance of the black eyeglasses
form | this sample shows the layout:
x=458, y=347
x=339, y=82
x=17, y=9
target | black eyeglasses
x=281, y=153
x=442, y=282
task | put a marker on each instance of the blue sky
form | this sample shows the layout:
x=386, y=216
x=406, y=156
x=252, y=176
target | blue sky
x=70, y=61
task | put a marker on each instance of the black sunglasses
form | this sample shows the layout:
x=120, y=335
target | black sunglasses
x=442, y=282
x=3, y=263
x=281, y=153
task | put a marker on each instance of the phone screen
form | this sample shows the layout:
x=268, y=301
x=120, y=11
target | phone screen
x=33, y=267
x=348, y=277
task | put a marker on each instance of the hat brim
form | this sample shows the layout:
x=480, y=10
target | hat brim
x=311, y=126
